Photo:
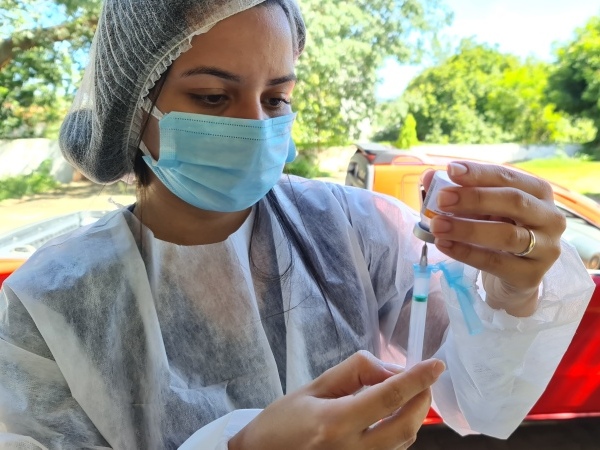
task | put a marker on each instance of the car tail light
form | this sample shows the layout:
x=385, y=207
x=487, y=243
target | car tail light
x=3, y=276
x=7, y=267
x=370, y=157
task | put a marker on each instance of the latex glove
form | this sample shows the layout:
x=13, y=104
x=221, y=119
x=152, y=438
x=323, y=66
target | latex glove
x=492, y=210
x=326, y=414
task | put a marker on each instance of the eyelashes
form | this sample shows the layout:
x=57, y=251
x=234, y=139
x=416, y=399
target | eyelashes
x=214, y=101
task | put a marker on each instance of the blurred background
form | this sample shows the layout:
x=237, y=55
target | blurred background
x=405, y=73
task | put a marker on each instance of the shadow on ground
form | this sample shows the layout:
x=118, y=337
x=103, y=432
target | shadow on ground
x=580, y=434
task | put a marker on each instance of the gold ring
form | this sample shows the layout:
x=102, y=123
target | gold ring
x=531, y=245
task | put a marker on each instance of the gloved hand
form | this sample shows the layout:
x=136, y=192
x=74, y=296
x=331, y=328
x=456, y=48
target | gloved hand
x=326, y=414
x=500, y=213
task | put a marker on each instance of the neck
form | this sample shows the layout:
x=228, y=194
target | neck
x=172, y=220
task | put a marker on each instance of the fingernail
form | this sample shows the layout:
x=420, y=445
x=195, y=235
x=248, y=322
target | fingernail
x=422, y=177
x=440, y=225
x=443, y=243
x=438, y=368
x=391, y=367
x=455, y=169
x=447, y=198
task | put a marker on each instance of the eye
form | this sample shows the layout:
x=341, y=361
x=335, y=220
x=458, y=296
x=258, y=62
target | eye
x=277, y=103
x=209, y=101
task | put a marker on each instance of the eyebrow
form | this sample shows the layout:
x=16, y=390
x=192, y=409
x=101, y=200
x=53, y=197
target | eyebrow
x=219, y=73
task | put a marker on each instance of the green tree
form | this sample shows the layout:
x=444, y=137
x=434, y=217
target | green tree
x=447, y=100
x=387, y=118
x=408, y=133
x=347, y=43
x=39, y=45
x=575, y=82
x=481, y=95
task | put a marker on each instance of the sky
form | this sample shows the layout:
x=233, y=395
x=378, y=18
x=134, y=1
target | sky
x=522, y=27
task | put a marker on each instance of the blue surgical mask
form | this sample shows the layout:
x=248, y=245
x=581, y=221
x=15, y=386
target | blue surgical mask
x=220, y=163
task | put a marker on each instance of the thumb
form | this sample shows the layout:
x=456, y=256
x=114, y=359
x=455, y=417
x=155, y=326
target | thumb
x=360, y=370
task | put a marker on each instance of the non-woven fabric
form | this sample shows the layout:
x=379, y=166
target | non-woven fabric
x=111, y=338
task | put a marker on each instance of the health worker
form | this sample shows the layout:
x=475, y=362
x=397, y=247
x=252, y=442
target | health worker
x=233, y=307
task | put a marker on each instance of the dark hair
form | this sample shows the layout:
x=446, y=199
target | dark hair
x=303, y=248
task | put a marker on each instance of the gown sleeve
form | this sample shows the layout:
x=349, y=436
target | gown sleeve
x=494, y=378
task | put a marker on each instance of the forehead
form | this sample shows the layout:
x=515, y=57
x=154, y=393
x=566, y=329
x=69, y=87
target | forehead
x=259, y=37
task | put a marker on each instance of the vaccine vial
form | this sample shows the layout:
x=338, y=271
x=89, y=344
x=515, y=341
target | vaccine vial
x=430, y=208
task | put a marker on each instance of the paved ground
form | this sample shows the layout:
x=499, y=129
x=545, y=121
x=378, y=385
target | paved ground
x=78, y=196
x=69, y=198
x=580, y=434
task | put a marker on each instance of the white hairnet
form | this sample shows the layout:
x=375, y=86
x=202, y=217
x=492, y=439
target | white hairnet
x=135, y=42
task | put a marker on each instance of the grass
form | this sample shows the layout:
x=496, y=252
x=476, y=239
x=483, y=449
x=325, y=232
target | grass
x=576, y=174
x=36, y=182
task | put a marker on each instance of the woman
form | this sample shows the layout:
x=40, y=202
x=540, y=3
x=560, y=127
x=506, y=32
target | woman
x=231, y=309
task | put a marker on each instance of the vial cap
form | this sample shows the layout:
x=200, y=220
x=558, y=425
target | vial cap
x=423, y=234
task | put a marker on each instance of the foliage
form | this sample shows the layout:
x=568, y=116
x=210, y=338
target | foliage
x=481, y=95
x=575, y=82
x=37, y=182
x=39, y=45
x=347, y=43
x=306, y=166
x=334, y=95
x=387, y=118
x=408, y=133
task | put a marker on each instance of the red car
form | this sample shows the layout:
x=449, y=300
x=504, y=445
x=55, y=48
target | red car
x=17, y=246
x=574, y=390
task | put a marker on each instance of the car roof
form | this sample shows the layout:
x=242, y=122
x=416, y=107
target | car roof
x=572, y=201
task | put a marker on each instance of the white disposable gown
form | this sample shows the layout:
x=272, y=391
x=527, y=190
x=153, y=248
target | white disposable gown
x=111, y=338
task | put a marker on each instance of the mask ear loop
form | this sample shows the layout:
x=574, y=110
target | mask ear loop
x=153, y=110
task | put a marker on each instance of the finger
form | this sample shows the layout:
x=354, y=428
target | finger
x=500, y=236
x=426, y=178
x=360, y=370
x=382, y=400
x=400, y=429
x=492, y=175
x=520, y=273
x=513, y=203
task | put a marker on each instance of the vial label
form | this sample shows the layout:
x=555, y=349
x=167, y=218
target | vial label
x=430, y=206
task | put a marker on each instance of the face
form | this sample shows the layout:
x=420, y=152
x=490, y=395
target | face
x=242, y=68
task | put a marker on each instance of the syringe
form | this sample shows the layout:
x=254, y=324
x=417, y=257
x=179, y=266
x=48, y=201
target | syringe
x=418, y=310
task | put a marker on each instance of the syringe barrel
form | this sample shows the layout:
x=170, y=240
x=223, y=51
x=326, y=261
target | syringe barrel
x=416, y=332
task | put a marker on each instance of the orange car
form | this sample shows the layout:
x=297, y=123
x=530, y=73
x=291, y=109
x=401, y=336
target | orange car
x=574, y=390
x=397, y=173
